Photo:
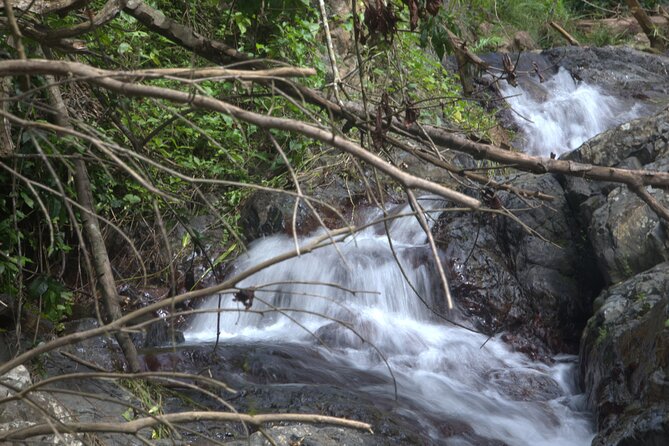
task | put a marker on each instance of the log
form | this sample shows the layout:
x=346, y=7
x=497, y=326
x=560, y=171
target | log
x=572, y=41
x=657, y=40
x=622, y=25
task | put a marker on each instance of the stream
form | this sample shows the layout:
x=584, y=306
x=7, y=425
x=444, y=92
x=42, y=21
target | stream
x=362, y=309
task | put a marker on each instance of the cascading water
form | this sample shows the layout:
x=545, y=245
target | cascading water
x=561, y=114
x=356, y=299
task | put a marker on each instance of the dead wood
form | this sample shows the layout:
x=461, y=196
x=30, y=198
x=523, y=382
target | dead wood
x=621, y=25
x=568, y=37
x=657, y=40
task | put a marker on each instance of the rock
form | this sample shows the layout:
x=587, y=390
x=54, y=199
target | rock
x=266, y=213
x=481, y=280
x=308, y=435
x=625, y=361
x=622, y=71
x=537, y=287
x=557, y=276
x=523, y=41
x=645, y=139
x=161, y=333
x=627, y=237
x=20, y=413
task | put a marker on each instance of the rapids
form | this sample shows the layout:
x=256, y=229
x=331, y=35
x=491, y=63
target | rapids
x=353, y=302
x=369, y=303
x=561, y=114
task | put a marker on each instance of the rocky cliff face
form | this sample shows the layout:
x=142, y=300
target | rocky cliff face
x=625, y=346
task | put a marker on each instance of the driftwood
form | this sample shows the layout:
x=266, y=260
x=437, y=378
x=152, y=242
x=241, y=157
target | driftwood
x=657, y=40
x=572, y=41
x=622, y=25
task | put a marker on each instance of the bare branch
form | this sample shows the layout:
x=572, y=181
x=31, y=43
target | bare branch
x=105, y=79
x=156, y=21
x=48, y=6
x=133, y=427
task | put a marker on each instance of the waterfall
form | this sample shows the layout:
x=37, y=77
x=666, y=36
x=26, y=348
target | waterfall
x=355, y=298
x=561, y=114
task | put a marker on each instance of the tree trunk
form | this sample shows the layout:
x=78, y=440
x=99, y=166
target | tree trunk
x=657, y=41
x=101, y=263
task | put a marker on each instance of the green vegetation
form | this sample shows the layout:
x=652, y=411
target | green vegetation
x=602, y=333
x=209, y=163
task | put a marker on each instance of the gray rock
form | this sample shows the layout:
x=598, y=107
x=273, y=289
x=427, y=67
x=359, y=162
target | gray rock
x=537, y=286
x=31, y=409
x=627, y=236
x=625, y=360
x=622, y=71
x=267, y=213
x=308, y=435
x=645, y=138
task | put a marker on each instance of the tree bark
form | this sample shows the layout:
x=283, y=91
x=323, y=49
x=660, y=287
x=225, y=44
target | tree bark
x=657, y=41
x=101, y=263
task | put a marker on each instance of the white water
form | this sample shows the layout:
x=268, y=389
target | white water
x=561, y=114
x=444, y=370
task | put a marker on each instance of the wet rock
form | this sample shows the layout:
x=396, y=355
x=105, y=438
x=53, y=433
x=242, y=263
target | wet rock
x=267, y=213
x=532, y=280
x=307, y=435
x=102, y=351
x=645, y=139
x=627, y=237
x=481, y=279
x=557, y=276
x=622, y=71
x=525, y=385
x=18, y=414
x=625, y=361
x=161, y=333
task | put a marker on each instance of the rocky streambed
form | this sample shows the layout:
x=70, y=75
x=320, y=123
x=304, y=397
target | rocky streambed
x=591, y=279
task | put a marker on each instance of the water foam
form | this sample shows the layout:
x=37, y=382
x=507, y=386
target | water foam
x=443, y=372
x=561, y=114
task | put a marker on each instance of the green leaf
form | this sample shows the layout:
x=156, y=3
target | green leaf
x=27, y=200
x=124, y=48
x=129, y=414
x=131, y=199
x=225, y=255
x=185, y=240
x=38, y=287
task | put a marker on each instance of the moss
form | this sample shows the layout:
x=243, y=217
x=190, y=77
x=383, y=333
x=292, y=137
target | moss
x=602, y=333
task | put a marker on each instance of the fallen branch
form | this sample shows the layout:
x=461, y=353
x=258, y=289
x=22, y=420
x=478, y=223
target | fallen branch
x=214, y=50
x=108, y=12
x=568, y=37
x=622, y=25
x=657, y=40
x=217, y=72
x=134, y=426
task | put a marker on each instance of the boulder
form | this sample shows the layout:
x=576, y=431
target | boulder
x=625, y=361
x=627, y=237
x=621, y=71
x=33, y=408
x=533, y=280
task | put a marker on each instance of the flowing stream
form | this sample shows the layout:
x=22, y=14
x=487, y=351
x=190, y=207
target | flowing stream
x=440, y=369
x=364, y=306
x=561, y=114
